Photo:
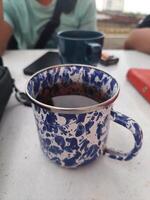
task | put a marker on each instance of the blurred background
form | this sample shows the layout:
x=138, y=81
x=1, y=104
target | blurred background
x=116, y=18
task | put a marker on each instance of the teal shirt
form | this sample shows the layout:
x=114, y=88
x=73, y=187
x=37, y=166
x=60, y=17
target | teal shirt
x=28, y=17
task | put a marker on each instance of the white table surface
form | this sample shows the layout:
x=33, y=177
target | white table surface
x=25, y=173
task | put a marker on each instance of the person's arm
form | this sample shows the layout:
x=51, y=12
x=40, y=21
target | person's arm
x=139, y=39
x=5, y=31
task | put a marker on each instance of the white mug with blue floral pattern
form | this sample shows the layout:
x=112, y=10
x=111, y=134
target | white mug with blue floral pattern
x=72, y=137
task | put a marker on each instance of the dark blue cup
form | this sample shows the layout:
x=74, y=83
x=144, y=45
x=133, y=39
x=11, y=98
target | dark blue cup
x=79, y=46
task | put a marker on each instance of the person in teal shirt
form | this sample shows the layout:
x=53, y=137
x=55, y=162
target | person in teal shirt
x=25, y=19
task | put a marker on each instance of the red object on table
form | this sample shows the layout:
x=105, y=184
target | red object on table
x=140, y=79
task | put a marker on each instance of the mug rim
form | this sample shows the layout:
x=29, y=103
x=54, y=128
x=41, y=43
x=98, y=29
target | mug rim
x=72, y=38
x=76, y=110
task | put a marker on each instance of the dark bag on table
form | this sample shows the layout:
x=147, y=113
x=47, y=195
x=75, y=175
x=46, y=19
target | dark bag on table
x=6, y=88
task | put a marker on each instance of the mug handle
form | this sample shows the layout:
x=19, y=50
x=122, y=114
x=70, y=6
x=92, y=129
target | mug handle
x=93, y=52
x=136, y=132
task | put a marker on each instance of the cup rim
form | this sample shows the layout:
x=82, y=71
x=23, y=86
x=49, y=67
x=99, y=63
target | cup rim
x=71, y=38
x=76, y=110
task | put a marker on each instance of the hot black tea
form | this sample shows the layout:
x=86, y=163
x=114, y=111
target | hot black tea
x=70, y=96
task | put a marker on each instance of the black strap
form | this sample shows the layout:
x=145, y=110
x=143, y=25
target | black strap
x=68, y=5
x=1, y=61
x=12, y=44
x=21, y=97
x=65, y=6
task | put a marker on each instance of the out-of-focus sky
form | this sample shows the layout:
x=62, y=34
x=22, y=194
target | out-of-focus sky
x=141, y=6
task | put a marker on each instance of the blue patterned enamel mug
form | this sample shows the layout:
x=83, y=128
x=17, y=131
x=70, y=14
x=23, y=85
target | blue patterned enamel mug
x=76, y=136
